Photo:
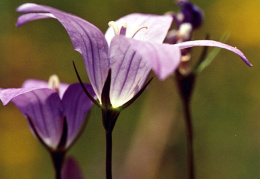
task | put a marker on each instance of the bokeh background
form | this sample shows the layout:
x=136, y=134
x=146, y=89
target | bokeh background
x=149, y=137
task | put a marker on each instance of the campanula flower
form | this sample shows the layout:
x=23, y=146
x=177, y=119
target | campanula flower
x=130, y=54
x=55, y=111
x=128, y=65
x=118, y=62
x=189, y=18
x=190, y=13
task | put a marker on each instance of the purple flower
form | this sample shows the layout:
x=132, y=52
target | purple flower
x=129, y=53
x=190, y=13
x=55, y=112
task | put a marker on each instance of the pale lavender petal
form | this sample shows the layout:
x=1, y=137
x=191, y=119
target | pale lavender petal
x=158, y=27
x=43, y=107
x=62, y=88
x=87, y=39
x=128, y=70
x=30, y=17
x=32, y=83
x=76, y=105
x=212, y=43
x=163, y=59
x=6, y=95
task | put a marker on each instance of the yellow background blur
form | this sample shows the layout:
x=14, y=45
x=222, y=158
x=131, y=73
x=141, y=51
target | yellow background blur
x=225, y=107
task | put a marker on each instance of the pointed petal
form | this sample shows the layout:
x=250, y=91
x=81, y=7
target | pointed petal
x=158, y=26
x=162, y=58
x=32, y=83
x=87, y=39
x=212, y=43
x=128, y=103
x=76, y=105
x=30, y=17
x=6, y=95
x=43, y=106
x=128, y=70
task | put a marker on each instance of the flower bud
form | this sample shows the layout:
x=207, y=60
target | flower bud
x=190, y=13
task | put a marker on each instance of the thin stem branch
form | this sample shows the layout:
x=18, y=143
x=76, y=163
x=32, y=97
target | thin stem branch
x=189, y=134
x=186, y=85
x=109, y=154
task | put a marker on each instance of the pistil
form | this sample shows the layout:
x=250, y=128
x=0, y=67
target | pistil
x=123, y=30
x=54, y=82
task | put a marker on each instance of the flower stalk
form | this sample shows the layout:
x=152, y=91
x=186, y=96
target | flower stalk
x=185, y=85
x=57, y=160
x=109, y=154
x=109, y=120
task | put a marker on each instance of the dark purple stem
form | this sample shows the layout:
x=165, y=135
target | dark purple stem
x=109, y=119
x=57, y=160
x=189, y=134
x=185, y=85
x=109, y=154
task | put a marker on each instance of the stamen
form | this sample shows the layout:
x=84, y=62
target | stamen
x=138, y=29
x=185, y=58
x=123, y=29
x=185, y=30
x=54, y=82
x=114, y=26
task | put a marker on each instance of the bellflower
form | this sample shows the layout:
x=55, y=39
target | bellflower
x=55, y=112
x=130, y=54
x=190, y=13
x=118, y=62
x=129, y=67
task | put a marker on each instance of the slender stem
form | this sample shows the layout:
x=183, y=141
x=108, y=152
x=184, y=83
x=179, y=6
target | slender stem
x=57, y=160
x=109, y=119
x=185, y=85
x=109, y=154
x=189, y=134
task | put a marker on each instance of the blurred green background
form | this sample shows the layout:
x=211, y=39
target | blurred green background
x=149, y=138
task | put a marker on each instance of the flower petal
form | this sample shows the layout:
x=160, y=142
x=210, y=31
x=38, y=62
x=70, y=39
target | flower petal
x=30, y=17
x=212, y=43
x=6, y=95
x=128, y=70
x=87, y=39
x=131, y=61
x=32, y=83
x=43, y=107
x=158, y=26
x=162, y=58
x=76, y=105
